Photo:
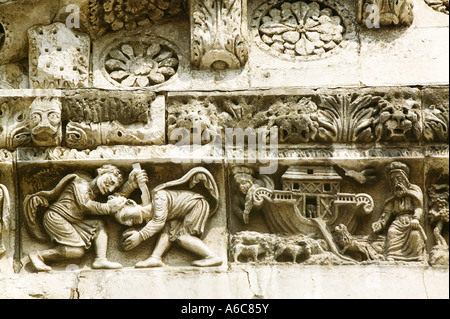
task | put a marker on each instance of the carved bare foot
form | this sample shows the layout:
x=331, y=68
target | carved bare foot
x=152, y=261
x=208, y=262
x=38, y=262
x=103, y=263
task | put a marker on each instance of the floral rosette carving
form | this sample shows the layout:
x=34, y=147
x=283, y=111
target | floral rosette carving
x=438, y=5
x=301, y=29
x=141, y=65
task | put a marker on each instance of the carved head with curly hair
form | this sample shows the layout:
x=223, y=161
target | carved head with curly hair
x=108, y=179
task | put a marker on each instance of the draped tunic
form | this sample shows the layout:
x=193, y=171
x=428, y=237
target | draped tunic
x=65, y=220
x=403, y=242
x=185, y=212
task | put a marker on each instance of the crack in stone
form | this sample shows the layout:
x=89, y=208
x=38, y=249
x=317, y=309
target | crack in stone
x=255, y=295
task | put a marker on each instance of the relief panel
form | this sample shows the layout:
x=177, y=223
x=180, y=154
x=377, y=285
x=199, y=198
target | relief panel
x=109, y=216
x=315, y=213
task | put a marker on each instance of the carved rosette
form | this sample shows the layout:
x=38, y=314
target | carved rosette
x=301, y=30
x=140, y=64
x=217, y=35
x=438, y=5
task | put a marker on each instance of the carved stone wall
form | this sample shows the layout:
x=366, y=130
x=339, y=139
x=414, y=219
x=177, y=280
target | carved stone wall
x=224, y=149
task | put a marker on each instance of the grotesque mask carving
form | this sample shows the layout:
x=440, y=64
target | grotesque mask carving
x=44, y=121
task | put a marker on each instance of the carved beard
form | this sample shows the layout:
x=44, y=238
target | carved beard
x=400, y=190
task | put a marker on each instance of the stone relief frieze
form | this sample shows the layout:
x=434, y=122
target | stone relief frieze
x=65, y=220
x=302, y=221
x=384, y=116
x=80, y=212
x=306, y=206
x=136, y=133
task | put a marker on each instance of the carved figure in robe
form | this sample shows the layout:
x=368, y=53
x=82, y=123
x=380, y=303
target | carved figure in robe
x=248, y=184
x=402, y=216
x=71, y=217
x=177, y=216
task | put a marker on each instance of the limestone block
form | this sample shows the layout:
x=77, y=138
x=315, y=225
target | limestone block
x=405, y=56
x=58, y=57
x=96, y=118
x=152, y=62
x=39, y=286
x=300, y=52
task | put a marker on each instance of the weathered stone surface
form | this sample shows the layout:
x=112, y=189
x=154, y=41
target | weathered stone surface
x=238, y=282
x=16, y=17
x=58, y=57
x=224, y=149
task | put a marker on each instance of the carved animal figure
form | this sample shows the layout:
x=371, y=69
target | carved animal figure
x=250, y=251
x=292, y=249
x=348, y=243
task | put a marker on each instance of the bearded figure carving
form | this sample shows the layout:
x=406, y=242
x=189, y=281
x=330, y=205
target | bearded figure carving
x=403, y=217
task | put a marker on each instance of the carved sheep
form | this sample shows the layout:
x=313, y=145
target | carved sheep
x=250, y=251
x=293, y=249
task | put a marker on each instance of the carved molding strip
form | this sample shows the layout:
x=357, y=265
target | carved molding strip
x=387, y=116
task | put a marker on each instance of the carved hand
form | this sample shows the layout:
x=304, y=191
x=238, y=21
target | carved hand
x=137, y=176
x=132, y=239
x=415, y=224
x=377, y=227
